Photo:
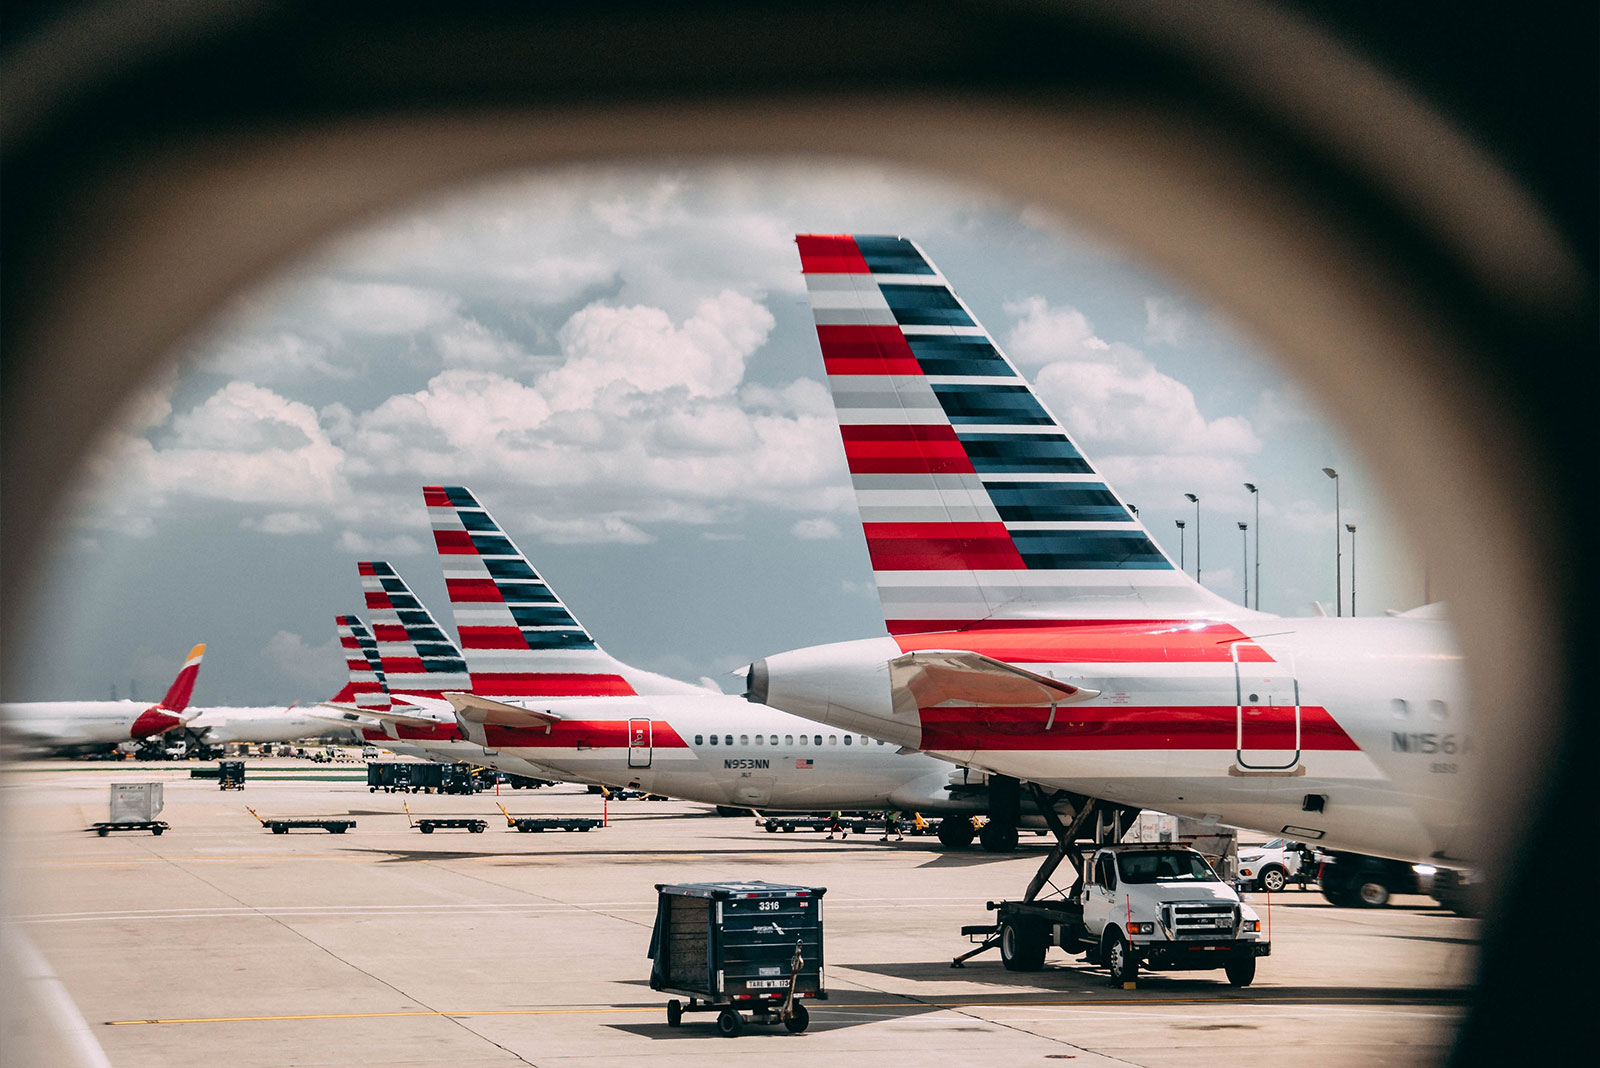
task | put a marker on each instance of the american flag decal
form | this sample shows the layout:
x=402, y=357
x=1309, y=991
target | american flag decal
x=804, y=763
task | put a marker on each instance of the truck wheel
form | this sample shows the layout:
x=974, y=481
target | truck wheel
x=1119, y=959
x=1372, y=893
x=280, y=830
x=1241, y=970
x=426, y=829
x=798, y=1020
x=1022, y=946
x=475, y=829
x=729, y=1023
x=956, y=832
x=998, y=837
x=1273, y=880
x=674, y=1013
x=103, y=831
x=157, y=830
x=772, y=828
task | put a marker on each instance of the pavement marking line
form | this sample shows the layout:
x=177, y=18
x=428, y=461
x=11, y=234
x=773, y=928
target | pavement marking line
x=842, y=1010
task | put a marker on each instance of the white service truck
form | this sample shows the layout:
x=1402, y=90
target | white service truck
x=1156, y=905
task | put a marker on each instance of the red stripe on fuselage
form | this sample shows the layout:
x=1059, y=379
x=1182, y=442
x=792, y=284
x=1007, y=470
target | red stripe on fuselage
x=581, y=735
x=549, y=684
x=830, y=254
x=1093, y=642
x=1094, y=728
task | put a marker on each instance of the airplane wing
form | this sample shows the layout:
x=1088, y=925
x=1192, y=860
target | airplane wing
x=936, y=677
x=477, y=709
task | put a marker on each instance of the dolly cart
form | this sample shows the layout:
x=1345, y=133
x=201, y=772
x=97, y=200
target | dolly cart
x=429, y=824
x=134, y=807
x=283, y=825
x=230, y=775
x=732, y=948
x=535, y=824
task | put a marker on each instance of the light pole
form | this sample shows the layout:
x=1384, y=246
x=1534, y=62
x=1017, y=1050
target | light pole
x=1196, y=501
x=1338, y=547
x=1351, y=527
x=1251, y=486
x=1244, y=542
x=1181, y=565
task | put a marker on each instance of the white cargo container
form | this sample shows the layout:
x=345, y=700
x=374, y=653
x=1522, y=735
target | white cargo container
x=135, y=802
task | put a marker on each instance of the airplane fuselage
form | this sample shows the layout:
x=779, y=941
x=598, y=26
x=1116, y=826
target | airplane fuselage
x=721, y=750
x=1349, y=732
x=73, y=724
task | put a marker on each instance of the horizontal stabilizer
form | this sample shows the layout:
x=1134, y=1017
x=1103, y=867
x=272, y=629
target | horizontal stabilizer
x=404, y=715
x=477, y=709
x=935, y=677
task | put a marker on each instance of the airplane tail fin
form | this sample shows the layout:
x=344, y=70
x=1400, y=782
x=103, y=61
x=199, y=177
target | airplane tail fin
x=366, y=689
x=182, y=688
x=414, y=653
x=518, y=637
x=978, y=507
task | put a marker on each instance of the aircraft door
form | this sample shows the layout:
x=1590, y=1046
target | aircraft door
x=1267, y=723
x=640, y=745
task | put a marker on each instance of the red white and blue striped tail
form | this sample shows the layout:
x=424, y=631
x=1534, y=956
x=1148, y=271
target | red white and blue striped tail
x=518, y=638
x=366, y=689
x=976, y=503
x=182, y=688
x=416, y=656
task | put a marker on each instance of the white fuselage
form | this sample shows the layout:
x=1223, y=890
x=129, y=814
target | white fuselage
x=1362, y=718
x=35, y=725
x=267, y=724
x=722, y=750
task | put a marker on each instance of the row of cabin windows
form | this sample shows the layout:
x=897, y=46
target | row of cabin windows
x=1436, y=709
x=788, y=739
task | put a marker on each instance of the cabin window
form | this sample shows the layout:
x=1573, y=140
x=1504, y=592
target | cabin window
x=804, y=740
x=727, y=739
x=744, y=739
x=880, y=741
x=833, y=739
x=788, y=739
x=1438, y=710
x=713, y=739
x=1400, y=709
x=761, y=739
x=699, y=739
x=848, y=740
x=774, y=739
x=817, y=738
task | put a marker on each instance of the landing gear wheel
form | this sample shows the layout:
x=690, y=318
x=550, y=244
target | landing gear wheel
x=798, y=1020
x=1241, y=971
x=1273, y=880
x=956, y=832
x=1022, y=946
x=729, y=1023
x=674, y=1013
x=1119, y=958
x=998, y=837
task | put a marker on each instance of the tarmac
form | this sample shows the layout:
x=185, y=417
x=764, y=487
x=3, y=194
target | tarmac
x=221, y=942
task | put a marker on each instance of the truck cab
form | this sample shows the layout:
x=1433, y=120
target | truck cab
x=1156, y=905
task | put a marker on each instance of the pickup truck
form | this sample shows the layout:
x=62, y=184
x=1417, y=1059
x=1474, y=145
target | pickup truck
x=1157, y=905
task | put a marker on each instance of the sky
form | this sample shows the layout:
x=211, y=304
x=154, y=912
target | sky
x=620, y=363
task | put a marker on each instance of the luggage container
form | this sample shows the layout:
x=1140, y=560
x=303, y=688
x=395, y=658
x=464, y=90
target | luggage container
x=134, y=807
x=230, y=775
x=738, y=948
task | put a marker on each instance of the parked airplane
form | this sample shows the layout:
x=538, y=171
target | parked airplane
x=67, y=726
x=542, y=688
x=1037, y=630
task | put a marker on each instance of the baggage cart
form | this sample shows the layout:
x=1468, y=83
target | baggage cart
x=230, y=775
x=134, y=807
x=285, y=824
x=536, y=824
x=739, y=948
x=429, y=824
